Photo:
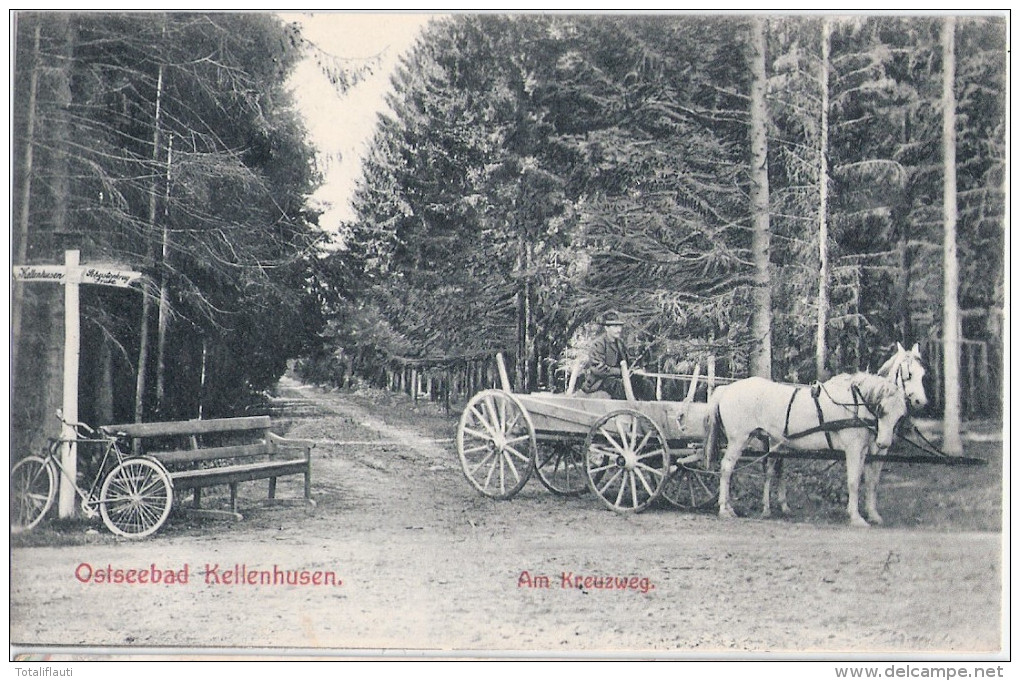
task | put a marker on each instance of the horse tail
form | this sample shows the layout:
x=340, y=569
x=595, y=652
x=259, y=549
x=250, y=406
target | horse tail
x=713, y=424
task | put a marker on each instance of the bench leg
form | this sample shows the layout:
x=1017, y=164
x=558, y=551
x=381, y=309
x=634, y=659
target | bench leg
x=233, y=497
x=198, y=497
x=272, y=488
x=308, y=488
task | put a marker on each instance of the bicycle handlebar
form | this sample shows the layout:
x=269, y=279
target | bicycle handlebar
x=77, y=425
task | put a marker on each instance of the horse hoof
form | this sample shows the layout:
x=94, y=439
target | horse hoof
x=875, y=519
x=727, y=513
x=859, y=522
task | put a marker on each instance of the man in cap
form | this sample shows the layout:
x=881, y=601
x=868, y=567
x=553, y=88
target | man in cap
x=607, y=353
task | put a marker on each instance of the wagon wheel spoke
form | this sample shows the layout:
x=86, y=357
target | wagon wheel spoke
x=492, y=469
x=655, y=473
x=619, y=493
x=484, y=460
x=478, y=448
x=483, y=420
x=626, y=442
x=611, y=480
x=493, y=421
x=606, y=454
x=509, y=453
x=502, y=474
x=602, y=469
x=512, y=425
x=644, y=441
x=652, y=454
x=513, y=450
x=617, y=445
x=488, y=437
x=644, y=482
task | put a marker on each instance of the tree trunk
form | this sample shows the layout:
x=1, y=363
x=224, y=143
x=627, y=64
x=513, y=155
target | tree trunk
x=104, y=389
x=18, y=303
x=823, y=211
x=59, y=199
x=62, y=357
x=761, y=320
x=525, y=341
x=143, y=343
x=164, y=312
x=530, y=359
x=951, y=443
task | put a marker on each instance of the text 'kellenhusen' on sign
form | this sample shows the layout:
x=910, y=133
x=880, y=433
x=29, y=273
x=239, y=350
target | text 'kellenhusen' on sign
x=238, y=574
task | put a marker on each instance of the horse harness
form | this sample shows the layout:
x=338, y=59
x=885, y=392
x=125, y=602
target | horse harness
x=828, y=426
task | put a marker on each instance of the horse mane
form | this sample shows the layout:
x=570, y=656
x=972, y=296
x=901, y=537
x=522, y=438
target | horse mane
x=875, y=389
x=890, y=365
x=901, y=356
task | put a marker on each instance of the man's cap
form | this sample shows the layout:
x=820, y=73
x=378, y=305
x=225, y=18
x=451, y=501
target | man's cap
x=611, y=318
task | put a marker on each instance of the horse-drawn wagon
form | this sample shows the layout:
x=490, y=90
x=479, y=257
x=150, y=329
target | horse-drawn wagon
x=630, y=453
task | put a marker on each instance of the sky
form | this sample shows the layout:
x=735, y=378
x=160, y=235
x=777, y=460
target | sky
x=344, y=124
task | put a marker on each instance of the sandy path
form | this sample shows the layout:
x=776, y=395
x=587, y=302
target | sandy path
x=426, y=563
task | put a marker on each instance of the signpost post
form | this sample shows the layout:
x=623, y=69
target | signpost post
x=72, y=274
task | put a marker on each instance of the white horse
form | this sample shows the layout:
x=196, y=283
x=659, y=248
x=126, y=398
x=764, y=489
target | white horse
x=906, y=370
x=856, y=413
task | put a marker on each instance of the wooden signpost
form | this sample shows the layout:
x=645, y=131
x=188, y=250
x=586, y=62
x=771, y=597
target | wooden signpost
x=72, y=274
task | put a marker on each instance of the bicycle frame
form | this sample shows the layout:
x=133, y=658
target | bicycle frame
x=90, y=497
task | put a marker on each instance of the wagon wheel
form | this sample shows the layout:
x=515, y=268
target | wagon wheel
x=496, y=443
x=692, y=487
x=560, y=467
x=626, y=460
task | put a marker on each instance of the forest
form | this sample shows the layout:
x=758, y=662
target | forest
x=767, y=191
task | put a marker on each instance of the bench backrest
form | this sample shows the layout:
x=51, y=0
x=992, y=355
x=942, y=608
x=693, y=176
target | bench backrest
x=195, y=428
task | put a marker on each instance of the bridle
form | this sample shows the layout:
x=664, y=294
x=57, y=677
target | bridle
x=903, y=375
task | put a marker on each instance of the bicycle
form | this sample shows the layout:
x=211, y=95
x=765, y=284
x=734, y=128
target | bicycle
x=133, y=494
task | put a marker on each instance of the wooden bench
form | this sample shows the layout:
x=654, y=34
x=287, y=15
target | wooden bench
x=241, y=449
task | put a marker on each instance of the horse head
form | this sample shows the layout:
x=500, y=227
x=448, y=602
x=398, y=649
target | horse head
x=906, y=370
x=887, y=401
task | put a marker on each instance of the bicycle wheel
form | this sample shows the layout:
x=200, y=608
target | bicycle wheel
x=136, y=498
x=33, y=488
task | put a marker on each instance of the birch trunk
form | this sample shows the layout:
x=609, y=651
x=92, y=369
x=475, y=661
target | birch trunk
x=163, y=317
x=951, y=443
x=761, y=321
x=143, y=342
x=823, y=213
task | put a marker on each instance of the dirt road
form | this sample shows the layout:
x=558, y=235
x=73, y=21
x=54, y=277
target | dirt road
x=422, y=562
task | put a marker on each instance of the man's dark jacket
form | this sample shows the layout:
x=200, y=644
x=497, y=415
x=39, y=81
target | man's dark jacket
x=604, y=363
